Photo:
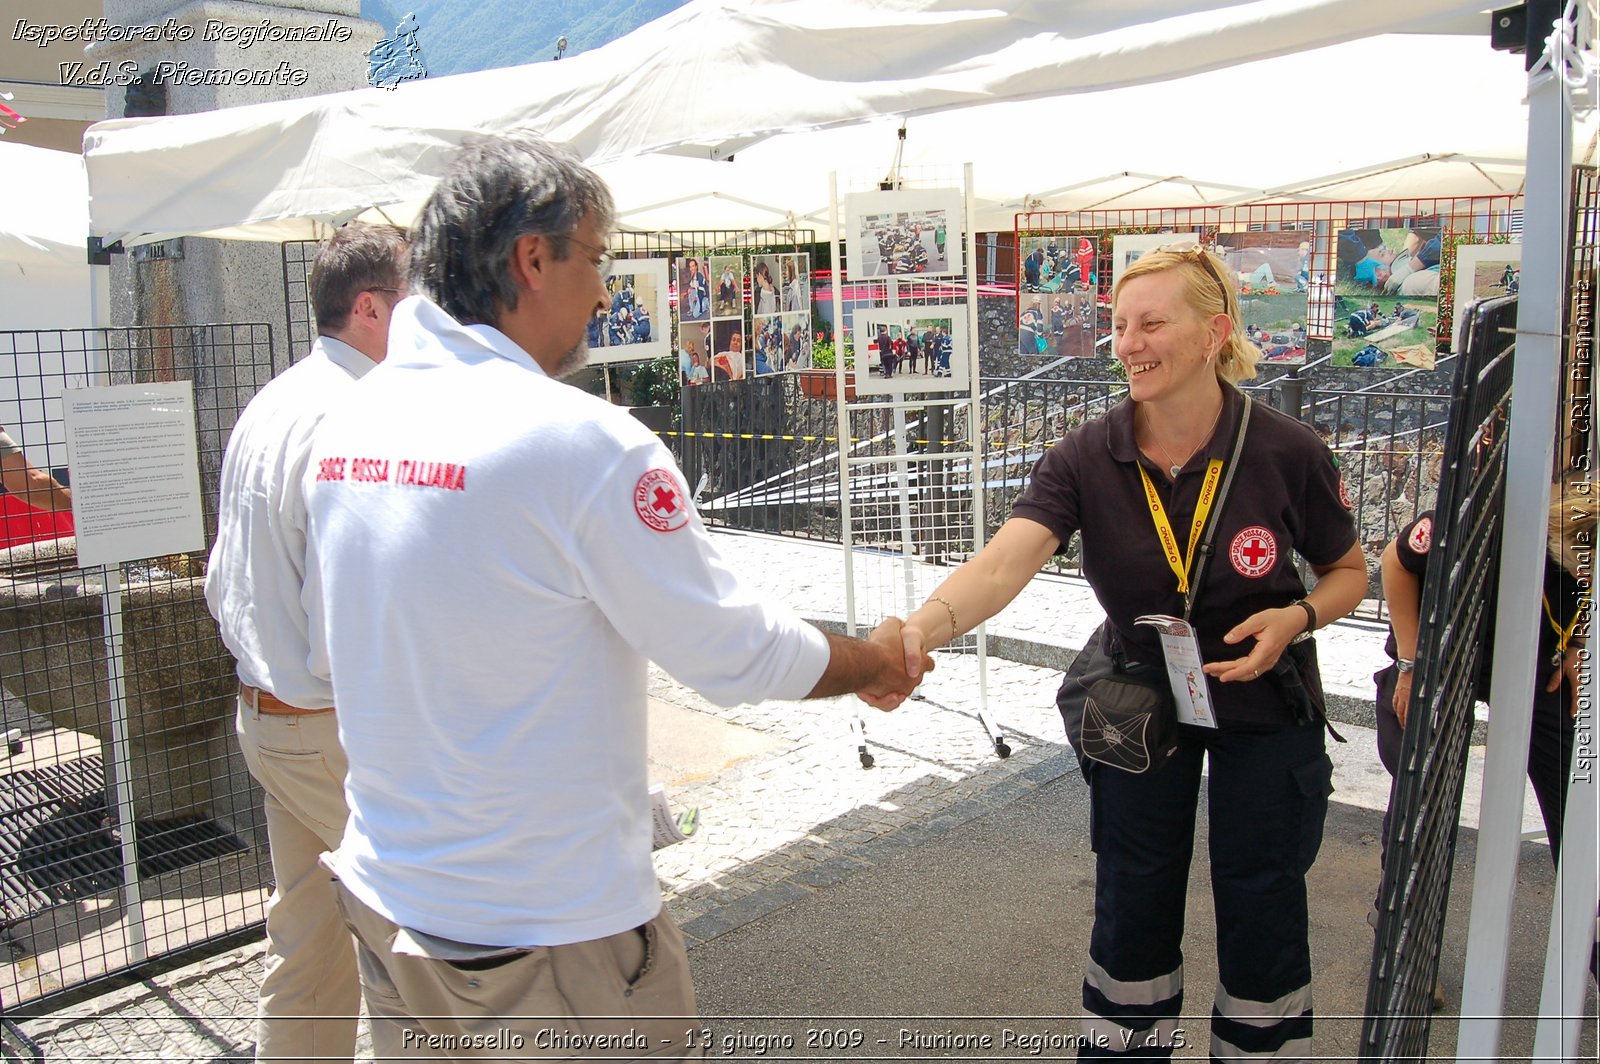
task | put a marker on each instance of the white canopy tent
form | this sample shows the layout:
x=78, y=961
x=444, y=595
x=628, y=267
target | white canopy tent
x=731, y=114
x=44, y=223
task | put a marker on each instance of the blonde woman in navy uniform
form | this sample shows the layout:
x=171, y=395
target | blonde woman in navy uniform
x=1177, y=332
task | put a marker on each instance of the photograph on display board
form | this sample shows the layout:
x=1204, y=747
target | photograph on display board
x=635, y=326
x=1057, y=325
x=1389, y=261
x=1127, y=247
x=766, y=273
x=694, y=352
x=1056, y=299
x=894, y=234
x=796, y=340
x=782, y=342
x=1273, y=273
x=729, y=361
x=766, y=344
x=910, y=349
x=1384, y=331
x=794, y=274
x=727, y=286
x=1483, y=271
x=693, y=282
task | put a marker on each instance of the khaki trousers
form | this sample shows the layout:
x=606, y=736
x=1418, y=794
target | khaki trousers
x=626, y=997
x=310, y=994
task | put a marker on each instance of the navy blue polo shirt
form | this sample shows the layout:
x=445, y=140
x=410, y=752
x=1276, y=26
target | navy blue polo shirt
x=1562, y=590
x=1286, y=498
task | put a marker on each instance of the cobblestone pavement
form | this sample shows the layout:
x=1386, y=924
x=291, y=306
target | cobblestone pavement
x=774, y=828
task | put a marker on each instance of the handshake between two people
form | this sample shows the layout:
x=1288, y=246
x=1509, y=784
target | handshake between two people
x=880, y=669
x=903, y=667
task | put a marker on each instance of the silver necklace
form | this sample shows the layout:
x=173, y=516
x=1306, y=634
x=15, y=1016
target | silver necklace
x=1176, y=467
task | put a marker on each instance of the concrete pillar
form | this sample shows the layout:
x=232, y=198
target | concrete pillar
x=197, y=58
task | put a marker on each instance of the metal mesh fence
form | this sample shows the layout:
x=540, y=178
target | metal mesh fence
x=87, y=892
x=1457, y=596
x=298, y=255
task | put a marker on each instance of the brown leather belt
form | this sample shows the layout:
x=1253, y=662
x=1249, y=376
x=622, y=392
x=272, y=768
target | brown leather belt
x=264, y=702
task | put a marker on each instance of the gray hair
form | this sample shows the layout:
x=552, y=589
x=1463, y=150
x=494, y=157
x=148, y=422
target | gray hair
x=497, y=190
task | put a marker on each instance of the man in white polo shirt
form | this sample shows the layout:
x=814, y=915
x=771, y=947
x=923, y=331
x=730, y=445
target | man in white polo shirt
x=495, y=556
x=310, y=993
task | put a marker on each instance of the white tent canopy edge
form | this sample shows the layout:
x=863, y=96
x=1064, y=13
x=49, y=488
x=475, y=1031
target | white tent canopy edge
x=824, y=80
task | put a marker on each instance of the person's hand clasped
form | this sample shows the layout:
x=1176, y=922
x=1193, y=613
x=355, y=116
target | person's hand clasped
x=1273, y=630
x=901, y=671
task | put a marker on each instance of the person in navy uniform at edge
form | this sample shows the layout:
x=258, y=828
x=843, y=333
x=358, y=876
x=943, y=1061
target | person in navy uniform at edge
x=486, y=597
x=1177, y=332
x=1563, y=637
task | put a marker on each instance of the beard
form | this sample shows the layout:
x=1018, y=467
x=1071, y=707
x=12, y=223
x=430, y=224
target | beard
x=573, y=360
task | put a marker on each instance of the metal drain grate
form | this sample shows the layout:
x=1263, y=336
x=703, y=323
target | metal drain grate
x=57, y=846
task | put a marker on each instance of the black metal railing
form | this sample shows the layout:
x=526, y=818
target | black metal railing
x=762, y=453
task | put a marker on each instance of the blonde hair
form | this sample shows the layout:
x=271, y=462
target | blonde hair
x=1207, y=291
x=1572, y=527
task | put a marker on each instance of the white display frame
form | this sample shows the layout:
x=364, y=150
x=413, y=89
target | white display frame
x=864, y=210
x=652, y=295
x=867, y=378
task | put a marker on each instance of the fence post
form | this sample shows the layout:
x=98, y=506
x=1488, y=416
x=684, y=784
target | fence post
x=1291, y=393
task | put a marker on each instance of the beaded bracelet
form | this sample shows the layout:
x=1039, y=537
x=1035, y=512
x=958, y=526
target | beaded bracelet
x=954, y=631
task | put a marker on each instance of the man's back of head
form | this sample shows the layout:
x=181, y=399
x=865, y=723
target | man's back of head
x=358, y=258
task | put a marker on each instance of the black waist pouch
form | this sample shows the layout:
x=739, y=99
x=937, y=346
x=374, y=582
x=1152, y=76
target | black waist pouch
x=1118, y=714
x=1298, y=678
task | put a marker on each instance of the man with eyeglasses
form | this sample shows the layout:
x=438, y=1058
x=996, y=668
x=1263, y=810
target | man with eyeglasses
x=310, y=993
x=489, y=592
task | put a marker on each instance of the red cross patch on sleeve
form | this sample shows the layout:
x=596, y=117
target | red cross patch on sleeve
x=1421, y=536
x=1253, y=551
x=660, y=501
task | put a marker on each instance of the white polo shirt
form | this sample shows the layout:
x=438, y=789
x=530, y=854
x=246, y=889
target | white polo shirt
x=496, y=555
x=257, y=567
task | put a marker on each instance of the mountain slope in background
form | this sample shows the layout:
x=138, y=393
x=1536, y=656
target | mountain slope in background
x=457, y=36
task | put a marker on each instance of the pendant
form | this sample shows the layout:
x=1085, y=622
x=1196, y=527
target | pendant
x=1174, y=471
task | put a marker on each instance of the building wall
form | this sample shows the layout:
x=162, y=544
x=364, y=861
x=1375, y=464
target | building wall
x=57, y=114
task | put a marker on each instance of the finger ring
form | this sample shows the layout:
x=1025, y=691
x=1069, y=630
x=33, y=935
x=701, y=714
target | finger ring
x=1255, y=674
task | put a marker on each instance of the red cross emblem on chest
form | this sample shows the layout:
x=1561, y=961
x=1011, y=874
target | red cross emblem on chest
x=659, y=501
x=1253, y=552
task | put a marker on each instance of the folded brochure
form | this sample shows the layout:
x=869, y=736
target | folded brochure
x=668, y=827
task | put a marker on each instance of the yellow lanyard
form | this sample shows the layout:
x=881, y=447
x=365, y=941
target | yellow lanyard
x=1564, y=634
x=1182, y=564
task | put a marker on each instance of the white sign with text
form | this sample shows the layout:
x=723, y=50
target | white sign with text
x=135, y=471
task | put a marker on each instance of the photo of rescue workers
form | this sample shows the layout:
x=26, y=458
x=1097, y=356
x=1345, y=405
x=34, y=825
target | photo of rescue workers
x=635, y=326
x=911, y=349
x=1386, y=331
x=1056, y=299
x=1273, y=271
x=782, y=343
x=692, y=281
x=893, y=234
x=1482, y=272
x=1388, y=261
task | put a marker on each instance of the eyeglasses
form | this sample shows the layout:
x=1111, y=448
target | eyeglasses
x=605, y=261
x=1195, y=252
x=395, y=291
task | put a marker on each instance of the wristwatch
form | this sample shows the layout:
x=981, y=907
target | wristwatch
x=1405, y=664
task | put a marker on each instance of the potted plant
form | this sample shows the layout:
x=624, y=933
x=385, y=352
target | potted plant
x=821, y=380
